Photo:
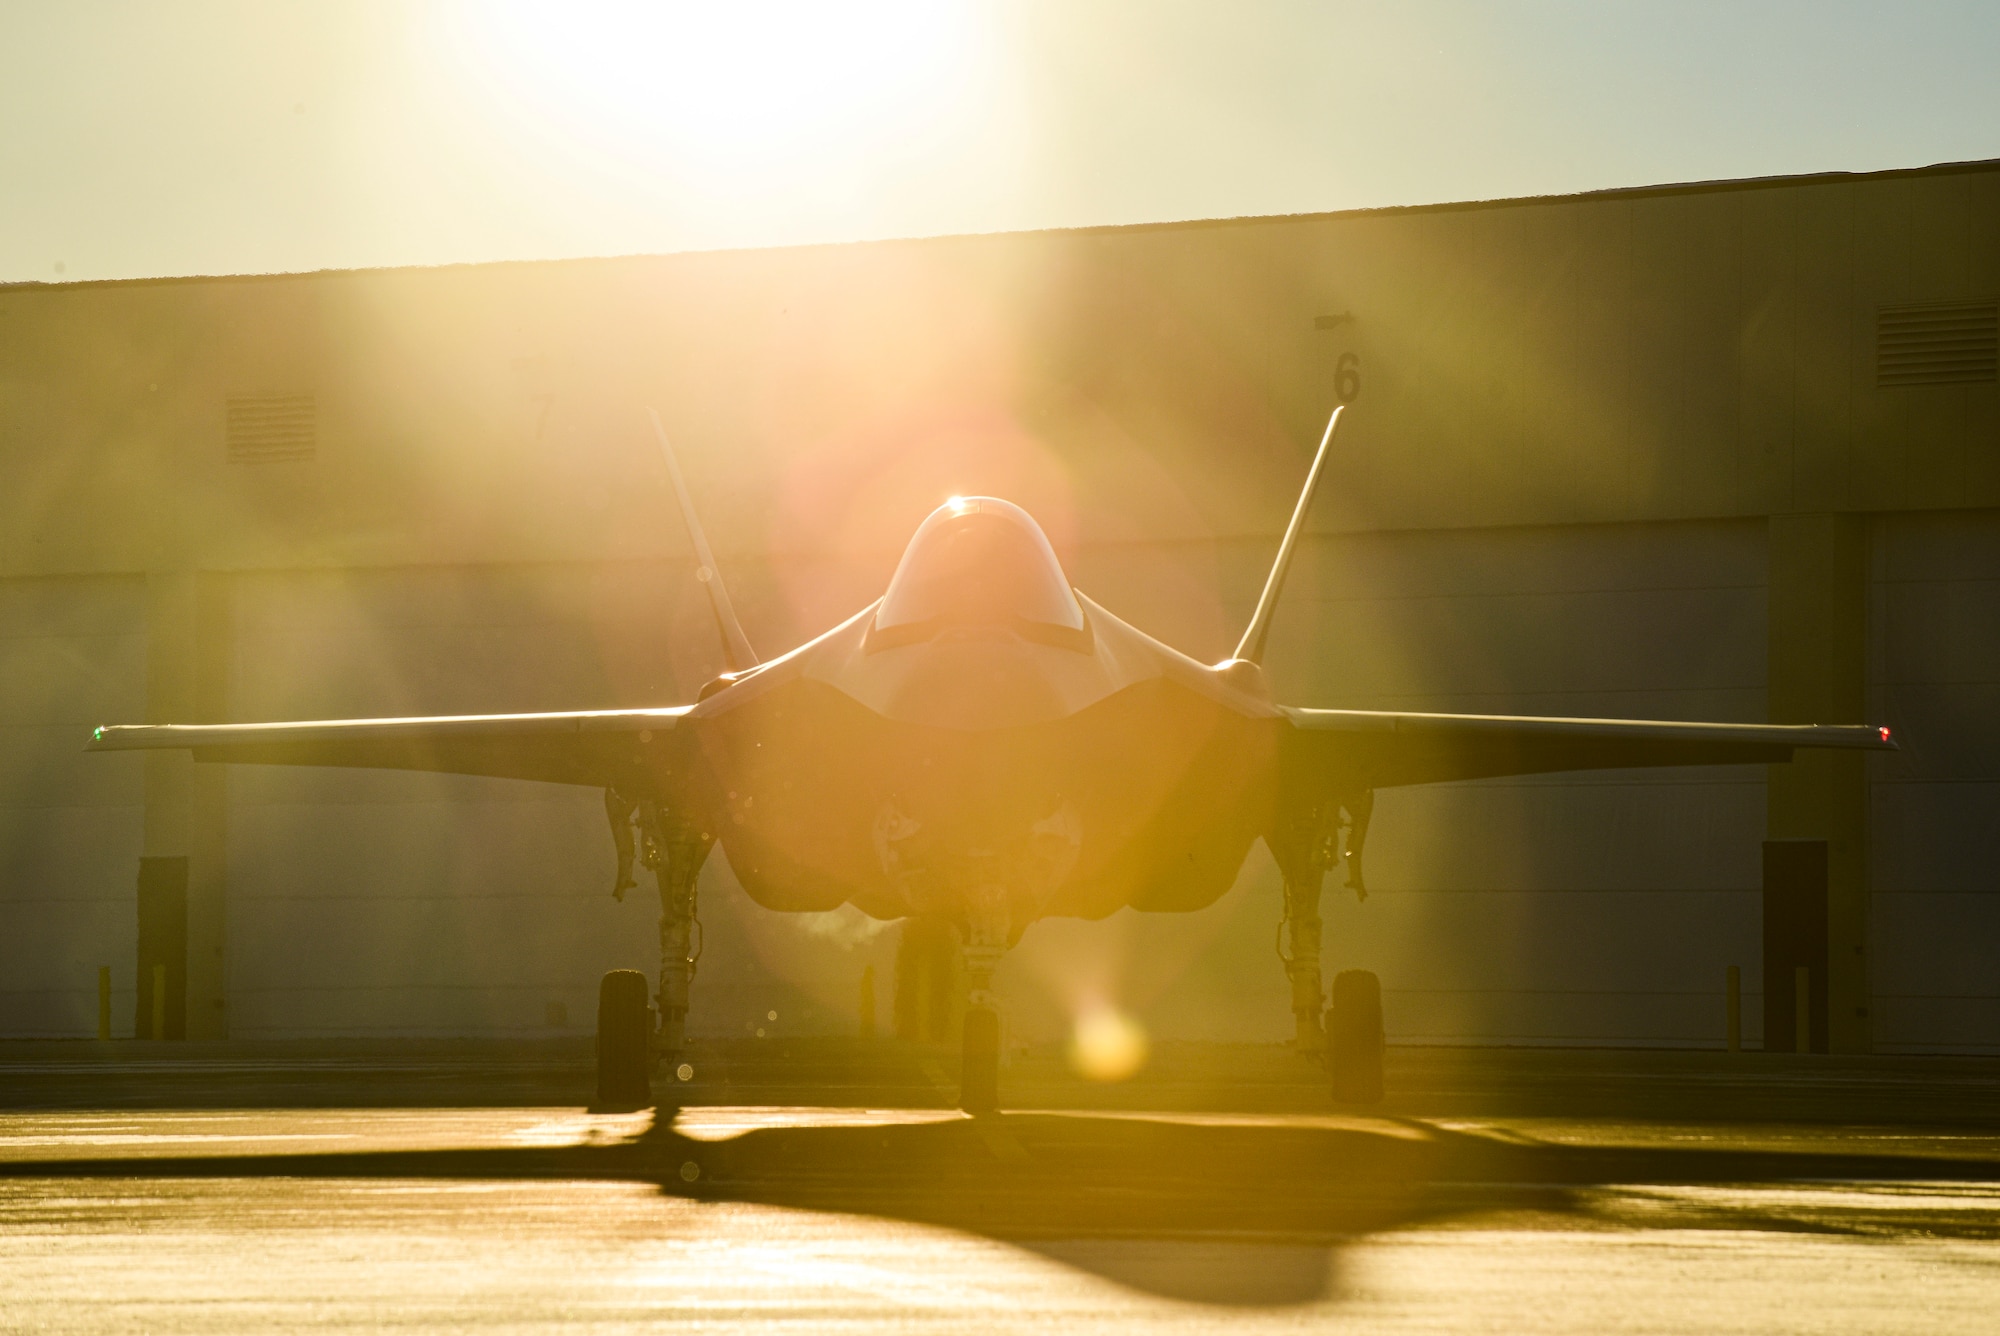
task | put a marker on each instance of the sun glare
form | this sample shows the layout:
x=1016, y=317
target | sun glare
x=1107, y=1045
x=734, y=96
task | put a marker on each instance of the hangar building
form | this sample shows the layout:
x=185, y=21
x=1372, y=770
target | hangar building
x=1723, y=451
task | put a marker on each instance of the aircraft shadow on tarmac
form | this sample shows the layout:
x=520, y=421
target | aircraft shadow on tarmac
x=1245, y=1213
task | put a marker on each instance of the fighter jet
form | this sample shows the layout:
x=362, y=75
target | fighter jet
x=985, y=746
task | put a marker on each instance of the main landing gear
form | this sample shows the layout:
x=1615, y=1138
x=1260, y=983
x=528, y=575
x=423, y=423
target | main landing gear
x=1354, y=1044
x=1347, y=1036
x=624, y=1047
x=629, y=1041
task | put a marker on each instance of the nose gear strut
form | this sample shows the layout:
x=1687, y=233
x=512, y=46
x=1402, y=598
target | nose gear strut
x=988, y=924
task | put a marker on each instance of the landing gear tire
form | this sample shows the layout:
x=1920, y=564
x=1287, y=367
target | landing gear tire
x=624, y=1026
x=979, y=1072
x=1354, y=1041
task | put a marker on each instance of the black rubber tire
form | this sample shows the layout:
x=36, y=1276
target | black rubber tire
x=1354, y=1041
x=624, y=1029
x=979, y=1072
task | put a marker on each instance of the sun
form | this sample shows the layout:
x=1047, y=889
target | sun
x=737, y=96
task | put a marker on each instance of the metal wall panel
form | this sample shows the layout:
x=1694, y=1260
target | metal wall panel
x=72, y=655
x=1935, y=819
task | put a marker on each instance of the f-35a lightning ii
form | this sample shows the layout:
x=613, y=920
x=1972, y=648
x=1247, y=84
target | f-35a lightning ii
x=985, y=746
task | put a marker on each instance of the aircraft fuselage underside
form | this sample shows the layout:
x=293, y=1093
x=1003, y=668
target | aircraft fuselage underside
x=1151, y=797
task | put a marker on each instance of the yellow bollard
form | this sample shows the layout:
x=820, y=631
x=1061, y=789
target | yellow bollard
x=1802, y=1008
x=1733, y=991
x=103, y=1003
x=159, y=1001
x=867, y=1001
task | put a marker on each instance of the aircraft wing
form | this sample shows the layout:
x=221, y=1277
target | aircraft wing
x=599, y=748
x=1379, y=748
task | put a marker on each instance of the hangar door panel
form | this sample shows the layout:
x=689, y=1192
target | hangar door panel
x=1566, y=909
x=380, y=903
x=1934, y=842
x=72, y=655
x=1597, y=908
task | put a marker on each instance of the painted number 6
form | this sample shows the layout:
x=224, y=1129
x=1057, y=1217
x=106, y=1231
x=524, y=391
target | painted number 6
x=1347, y=377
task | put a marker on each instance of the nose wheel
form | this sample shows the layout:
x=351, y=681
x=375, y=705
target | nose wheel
x=979, y=1071
x=986, y=932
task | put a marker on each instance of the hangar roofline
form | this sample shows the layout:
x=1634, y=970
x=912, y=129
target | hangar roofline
x=1608, y=194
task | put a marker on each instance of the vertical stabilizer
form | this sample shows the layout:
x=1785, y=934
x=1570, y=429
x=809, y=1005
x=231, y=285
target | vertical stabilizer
x=736, y=652
x=1251, y=648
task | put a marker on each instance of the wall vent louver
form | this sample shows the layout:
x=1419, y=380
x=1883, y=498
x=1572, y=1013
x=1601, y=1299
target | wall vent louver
x=268, y=428
x=1941, y=343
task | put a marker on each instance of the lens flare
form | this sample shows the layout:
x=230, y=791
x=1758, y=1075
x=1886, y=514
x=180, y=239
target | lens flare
x=1107, y=1045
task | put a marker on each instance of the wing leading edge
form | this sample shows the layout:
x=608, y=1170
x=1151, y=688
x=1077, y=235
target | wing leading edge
x=1382, y=749
x=599, y=748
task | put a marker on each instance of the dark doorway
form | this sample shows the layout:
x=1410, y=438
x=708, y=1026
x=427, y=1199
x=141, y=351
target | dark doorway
x=1794, y=938
x=163, y=886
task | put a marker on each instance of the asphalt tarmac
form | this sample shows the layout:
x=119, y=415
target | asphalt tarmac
x=818, y=1186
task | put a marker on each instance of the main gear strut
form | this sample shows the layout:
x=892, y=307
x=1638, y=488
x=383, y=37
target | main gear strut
x=675, y=850
x=1307, y=847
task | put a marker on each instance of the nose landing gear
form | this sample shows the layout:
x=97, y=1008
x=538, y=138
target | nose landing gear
x=984, y=897
x=979, y=1073
x=987, y=923
x=944, y=986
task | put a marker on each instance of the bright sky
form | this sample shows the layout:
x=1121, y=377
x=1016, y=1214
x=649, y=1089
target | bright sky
x=206, y=136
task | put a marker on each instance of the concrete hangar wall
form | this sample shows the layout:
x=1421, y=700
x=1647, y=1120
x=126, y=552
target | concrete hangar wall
x=1726, y=451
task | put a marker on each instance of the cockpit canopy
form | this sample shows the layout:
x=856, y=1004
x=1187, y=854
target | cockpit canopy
x=979, y=561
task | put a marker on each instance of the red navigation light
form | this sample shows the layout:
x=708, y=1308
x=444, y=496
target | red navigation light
x=1884, y=731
